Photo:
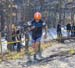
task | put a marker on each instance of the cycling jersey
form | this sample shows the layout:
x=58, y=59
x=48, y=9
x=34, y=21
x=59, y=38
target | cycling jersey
x=37, y=31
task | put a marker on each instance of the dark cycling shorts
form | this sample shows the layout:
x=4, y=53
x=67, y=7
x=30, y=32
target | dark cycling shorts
x=38, y=39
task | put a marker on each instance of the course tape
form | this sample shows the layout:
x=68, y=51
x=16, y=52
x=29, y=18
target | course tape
x=14, y=42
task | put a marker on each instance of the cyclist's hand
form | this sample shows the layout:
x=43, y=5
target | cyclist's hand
x=45, y=36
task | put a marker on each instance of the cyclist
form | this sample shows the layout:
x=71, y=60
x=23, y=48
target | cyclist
x=36, y=27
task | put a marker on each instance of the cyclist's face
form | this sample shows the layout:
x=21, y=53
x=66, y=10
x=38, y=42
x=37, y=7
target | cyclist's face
x=37, y=21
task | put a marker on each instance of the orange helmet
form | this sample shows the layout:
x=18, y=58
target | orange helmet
x=37, y=16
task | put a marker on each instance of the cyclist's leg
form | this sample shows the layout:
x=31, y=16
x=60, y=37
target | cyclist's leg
x=39, y=48
x=36, y=46
x=38, y=41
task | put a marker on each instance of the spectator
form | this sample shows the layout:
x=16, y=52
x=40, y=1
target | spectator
x=18, y=37
x=59, y=34
x=13, y=38
x=68, y=26
x=73, y=30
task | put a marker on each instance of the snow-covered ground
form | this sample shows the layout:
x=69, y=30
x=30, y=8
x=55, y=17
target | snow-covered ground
x=55, y=62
